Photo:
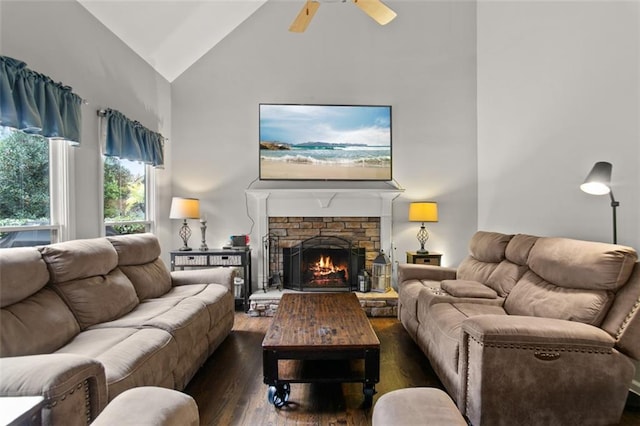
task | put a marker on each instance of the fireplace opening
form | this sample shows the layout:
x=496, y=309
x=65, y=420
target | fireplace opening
x=322, y=264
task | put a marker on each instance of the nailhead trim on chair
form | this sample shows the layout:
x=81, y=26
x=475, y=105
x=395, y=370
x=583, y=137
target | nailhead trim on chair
x=627, y=319
x=542, y=348
x=536, y=349
x=87, y=401
x=53, y=402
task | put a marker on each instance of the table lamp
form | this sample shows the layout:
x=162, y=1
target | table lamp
x=425, y=211
x=598, y=182
x=184, y=208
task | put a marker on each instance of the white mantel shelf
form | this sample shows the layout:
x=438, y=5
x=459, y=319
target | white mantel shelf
x=319, y=202
x=325, y=196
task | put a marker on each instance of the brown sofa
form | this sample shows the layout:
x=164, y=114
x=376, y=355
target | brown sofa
x=83, y=321
x=529, y=330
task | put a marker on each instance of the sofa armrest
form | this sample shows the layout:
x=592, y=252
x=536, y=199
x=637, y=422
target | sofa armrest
x=522, y=330
x=410, y=271
x=222, y=276
x=74, y=387
x=525, y=363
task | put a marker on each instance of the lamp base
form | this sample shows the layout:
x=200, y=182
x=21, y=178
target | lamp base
x=422, y=251
x=185, y=233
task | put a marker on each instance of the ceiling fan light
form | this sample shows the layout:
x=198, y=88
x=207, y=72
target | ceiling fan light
x=377, y=10
x=302, y=21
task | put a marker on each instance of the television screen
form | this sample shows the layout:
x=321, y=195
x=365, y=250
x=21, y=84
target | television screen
x=325, y=142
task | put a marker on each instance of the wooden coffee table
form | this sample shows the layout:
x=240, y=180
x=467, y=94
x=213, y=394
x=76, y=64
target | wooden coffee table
x=319, y=337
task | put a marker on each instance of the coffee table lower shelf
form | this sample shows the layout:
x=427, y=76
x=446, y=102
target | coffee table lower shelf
x=283, y=367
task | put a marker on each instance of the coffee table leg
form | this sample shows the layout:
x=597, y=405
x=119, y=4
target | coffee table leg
x=278, y=395
x=371, y=375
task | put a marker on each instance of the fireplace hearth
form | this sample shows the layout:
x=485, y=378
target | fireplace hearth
x=322, y=264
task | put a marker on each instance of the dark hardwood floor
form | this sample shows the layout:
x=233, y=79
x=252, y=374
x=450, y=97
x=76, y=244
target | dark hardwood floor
x=229, y=388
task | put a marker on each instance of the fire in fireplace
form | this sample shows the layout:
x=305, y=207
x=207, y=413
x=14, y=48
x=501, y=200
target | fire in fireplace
x=322, y=264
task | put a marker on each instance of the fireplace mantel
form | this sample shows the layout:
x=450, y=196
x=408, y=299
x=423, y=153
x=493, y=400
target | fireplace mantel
x=318, y=202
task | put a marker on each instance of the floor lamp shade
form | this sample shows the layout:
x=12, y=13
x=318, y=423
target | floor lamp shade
x=184, y=208
x=598, y=182
x=425, y=211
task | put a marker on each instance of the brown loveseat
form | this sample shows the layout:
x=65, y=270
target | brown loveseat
x=85, y=320
x=529, y=330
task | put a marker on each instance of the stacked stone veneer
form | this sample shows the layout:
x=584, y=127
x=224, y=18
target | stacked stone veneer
x=374, y=304
x=363, y=232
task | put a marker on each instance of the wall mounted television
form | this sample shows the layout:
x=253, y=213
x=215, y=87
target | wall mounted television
x=325, y=142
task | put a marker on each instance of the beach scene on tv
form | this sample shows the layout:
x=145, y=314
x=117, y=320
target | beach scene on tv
x=325, y=142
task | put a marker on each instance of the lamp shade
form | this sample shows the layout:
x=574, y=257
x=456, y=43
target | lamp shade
x=184, y=208
x=423, y=212
x=598, y=180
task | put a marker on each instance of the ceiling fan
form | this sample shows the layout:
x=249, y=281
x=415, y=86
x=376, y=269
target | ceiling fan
x=377, y=10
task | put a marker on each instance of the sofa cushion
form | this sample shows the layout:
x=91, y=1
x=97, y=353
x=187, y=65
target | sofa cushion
x=489, y=246
x=504, y=277
x=22, y=273
x=136, y=249
x=441, y=329
x=519, y=247
x=408, y=294
x=40, y=324
x=74, y=260
x=464, y=288
x=150, y=280
x=533, y=296
x=472, y=269
x=131, y=357
x=99, y=298
x=582, y=264
x=139, y=258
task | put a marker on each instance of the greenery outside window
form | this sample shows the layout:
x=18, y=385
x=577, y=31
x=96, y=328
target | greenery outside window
x=33, y=191
x=126, y=196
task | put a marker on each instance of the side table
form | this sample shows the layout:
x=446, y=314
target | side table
x=218, y=258
x=431, y=258
x=20, y=410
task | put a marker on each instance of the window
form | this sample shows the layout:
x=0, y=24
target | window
x=33, y=208
x=126, y=194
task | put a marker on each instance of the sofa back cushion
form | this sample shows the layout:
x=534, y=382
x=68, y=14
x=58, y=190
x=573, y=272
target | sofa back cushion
x=582, y=264
x=139, y=258
x=85, y=275
x=77, y=259
x=22, y=273
x=513, y=266
x=33, y=319
x=486, y=251
x=571, y=279
x=39, y=324
x=533, y=296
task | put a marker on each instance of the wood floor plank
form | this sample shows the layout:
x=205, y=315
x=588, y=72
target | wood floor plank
x=229, y=389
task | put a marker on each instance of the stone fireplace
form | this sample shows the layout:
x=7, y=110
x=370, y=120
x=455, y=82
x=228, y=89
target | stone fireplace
x=353, y=214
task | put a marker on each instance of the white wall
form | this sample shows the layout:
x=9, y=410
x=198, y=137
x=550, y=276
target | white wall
x=558, y=90
x=62, y=40
x=423, y=64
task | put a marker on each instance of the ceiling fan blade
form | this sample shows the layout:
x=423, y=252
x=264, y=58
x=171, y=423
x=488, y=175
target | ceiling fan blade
x=300, y=24
x=377, y=10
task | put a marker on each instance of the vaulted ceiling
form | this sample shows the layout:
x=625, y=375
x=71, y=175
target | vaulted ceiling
x=171, y=35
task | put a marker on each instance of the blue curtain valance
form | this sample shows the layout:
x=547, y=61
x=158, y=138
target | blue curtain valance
x=33, y=103
x=130, y=140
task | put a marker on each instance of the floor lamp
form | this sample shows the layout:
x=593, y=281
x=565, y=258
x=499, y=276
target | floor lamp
x=598, y=182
